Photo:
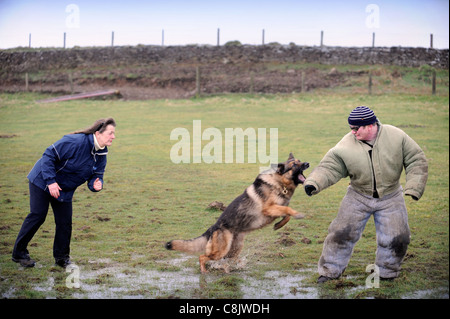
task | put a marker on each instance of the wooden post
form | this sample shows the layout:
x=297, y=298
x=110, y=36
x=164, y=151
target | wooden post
x=302, y=87
x=373, y=39
x=112, y=39
x=431, y=40
x=433, y=82
x=71, y=82
x=197, y=82
x=321, y=38
x=26, y=82
x=218, y=36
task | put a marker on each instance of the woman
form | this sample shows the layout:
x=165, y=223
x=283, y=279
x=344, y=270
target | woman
x=65, y=165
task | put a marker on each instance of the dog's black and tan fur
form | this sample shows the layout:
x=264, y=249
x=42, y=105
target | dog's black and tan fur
x=261, y=203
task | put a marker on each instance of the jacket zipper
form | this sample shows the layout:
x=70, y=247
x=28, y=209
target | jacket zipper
x=374, y=188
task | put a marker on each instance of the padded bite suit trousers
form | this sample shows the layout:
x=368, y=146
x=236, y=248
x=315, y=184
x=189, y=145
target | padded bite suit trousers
x=392, y=229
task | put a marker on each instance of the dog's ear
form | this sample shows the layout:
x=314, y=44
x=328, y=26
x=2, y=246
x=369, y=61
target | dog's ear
x=280, y=169
x=291, y=157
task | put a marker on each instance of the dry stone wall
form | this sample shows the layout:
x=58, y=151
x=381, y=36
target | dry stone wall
x=46, y=59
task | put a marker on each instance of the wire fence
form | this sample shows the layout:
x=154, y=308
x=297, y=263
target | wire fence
x=172, y=37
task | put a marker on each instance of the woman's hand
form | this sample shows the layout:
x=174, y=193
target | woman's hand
x=54, y=189
x=98, y=184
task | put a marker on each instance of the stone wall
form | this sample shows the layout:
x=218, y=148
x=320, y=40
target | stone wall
x=78, y=58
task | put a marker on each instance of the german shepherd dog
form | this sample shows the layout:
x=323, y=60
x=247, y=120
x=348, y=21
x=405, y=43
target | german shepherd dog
x=261, y=203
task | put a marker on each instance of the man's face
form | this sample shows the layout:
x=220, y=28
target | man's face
x=363, y=133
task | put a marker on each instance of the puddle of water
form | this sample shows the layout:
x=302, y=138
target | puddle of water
x=151, y=283
x=46, y=286
x=10, y=293
x=116, y=281
x=438, y=293
x=136, y=283
x=277, y=285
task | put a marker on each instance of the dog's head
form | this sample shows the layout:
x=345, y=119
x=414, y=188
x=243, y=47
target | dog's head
x=293, y=169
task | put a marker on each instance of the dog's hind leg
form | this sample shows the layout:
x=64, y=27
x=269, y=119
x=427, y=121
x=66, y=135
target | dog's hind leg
x=236, y=246
x=217, y=247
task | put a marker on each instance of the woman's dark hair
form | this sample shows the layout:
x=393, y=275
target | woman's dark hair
x=99, y=125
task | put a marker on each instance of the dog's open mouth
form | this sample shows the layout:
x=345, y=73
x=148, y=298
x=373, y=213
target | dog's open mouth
x=299, y=173
x=300, y=177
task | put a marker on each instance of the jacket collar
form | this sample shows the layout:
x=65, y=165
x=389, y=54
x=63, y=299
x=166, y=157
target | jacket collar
x=92, y=146
x=97, y=146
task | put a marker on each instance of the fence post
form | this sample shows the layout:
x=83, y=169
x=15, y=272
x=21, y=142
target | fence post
x=433, y=82
x=26, y=82
x=431, y=40
x=302, y=83
x=112, y=38
x=197, y=82
x=71, y=82
x=321, y=38
x=29, y=40
x=218, y=36
x=263, y=35
x=373, y=39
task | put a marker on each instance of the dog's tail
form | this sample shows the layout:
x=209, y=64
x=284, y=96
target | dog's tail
x=196, y=245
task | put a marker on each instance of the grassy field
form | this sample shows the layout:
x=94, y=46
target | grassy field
x=119, y=234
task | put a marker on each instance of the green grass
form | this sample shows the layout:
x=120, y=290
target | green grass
x=119, y=234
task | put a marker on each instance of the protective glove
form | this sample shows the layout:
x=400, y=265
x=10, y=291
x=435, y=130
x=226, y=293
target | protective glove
x=413, y=197
x=309, y=189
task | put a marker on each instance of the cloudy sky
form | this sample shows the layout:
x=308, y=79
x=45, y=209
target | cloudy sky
x=344, y=23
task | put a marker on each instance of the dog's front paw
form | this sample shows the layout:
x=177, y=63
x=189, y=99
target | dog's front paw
x=299, y=216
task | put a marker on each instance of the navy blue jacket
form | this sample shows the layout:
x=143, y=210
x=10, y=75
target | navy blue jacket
x=70, y=162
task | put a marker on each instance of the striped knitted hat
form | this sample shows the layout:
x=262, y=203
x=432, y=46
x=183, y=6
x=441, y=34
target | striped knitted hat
x=362, y=116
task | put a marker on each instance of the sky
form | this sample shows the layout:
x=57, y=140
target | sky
x=406, y=23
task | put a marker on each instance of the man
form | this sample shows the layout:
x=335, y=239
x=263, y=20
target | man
x=373, y=156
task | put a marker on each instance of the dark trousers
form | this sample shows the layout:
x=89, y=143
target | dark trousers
x=39, y=203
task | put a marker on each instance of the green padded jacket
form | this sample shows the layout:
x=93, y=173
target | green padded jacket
x=392, y=151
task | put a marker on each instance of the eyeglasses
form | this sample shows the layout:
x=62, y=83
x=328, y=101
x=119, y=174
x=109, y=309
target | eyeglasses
x=355, y=128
